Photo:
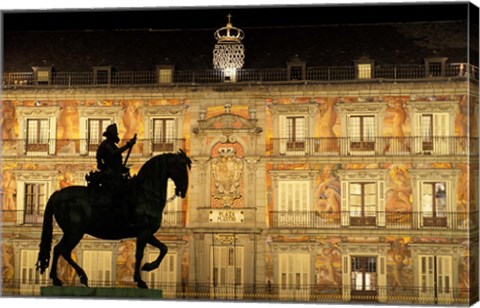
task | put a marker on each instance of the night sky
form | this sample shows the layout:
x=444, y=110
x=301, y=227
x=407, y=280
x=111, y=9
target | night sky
x=243, y=17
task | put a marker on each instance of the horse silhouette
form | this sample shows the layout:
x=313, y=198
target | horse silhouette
x=80, y=210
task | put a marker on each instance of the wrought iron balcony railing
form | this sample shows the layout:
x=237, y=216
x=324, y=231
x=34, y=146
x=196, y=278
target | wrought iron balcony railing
x=83, y=147
x=171, y=219
x=325, y=74
x=374, y=220
x=319, y=293
x=374, y=146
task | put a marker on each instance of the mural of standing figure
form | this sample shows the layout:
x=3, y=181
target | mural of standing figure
x=9, y=190
x=131, y=120
x=328, y=118
x=327, y=195
x=398, y=144
x=8, y=120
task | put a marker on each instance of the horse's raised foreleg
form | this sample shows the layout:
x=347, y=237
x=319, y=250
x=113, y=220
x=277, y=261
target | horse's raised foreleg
x=141, y=243
x=152, y=240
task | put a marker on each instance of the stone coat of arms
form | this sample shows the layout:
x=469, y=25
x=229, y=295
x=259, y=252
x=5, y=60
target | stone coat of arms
x=227, y=170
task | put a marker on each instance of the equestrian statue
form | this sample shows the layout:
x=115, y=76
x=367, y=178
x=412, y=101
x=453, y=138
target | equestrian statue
x=113, y=206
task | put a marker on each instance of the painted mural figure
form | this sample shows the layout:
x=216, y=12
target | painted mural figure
x=398, y=197
x=328, y=193
x=8, y=120
x=328, y=118
x=131, y=121
x=8, y=270
x=398, y=143
x=9, y=189
x=68, y=121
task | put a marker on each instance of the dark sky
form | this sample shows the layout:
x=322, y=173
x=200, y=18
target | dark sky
x=243, y=17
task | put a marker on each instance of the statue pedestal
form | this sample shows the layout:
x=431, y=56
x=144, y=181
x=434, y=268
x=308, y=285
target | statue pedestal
x=130, y=293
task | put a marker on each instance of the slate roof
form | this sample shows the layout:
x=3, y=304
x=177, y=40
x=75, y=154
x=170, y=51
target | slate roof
x=265, y=47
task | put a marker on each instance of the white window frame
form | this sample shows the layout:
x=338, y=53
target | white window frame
x=359, y=109
x=87, y=113
x=441, y=266
x=99, y=263
x=175, y=112
x=230, y=263
x=46, y=178
x=448, y=176
x=172, y=215
x=349, y=177
x=291, y=217
x=364, y=250
x=289, y=141
x=168, y=137
x=166, y=275
x=30, y=279
x=443, y=125
x=294, y=275
x=48, y=113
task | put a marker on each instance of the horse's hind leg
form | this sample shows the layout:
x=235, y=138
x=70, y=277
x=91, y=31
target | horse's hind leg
x=66, y=252
x=152, y=240
x=53, y=270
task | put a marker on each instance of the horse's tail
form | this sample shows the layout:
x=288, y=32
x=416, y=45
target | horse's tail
x=46, y=241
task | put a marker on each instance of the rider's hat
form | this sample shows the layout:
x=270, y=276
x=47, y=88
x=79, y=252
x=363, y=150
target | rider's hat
x=111, y=131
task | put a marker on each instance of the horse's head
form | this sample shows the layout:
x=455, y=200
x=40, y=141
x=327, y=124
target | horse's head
x=179, y=166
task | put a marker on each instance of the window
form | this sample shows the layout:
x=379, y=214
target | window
x=102, y=75
x=294, y=275
x=35, y=200
x=98, y=266
x=42, y=75
x=292, y=134
x=434, y=204
x=95, y=130
x=363, y=197
x=435, y=278
x=227, y=263
x=172, y=215
x=364, y=71
x=165, y=276
x=362, y=132
x=30, y=278
x=165, y=75
x=434, y=133
x=293, y=203
x=37, y=136
x=363, y=275
x=163, y=135
x=363, y=204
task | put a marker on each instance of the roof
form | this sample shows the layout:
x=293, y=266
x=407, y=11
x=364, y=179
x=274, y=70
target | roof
x=265, y=47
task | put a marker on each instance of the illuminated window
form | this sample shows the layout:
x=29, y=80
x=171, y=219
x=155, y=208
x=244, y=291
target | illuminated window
x=35, y=200
x=96, y=127
x=163, y=130
x=363, y=275
x=37, y=136
x=364, y=71
x=226, y=271
x=30, y=278
x=98, y=266
x=294, y=275
x=165, y=75
x=165, y=276
x=435, y=277
x=363, y=203
x=362, y=132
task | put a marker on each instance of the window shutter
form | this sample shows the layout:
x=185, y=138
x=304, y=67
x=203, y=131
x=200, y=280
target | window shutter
x=419, y=134
x=382, y=279
x=381, y=204
x=346, y=271
x=426, y=278
x=344, y=207
x=441, y=133
x=444, y=279
x=83, y=135
x=52, y=136
x=282, y=123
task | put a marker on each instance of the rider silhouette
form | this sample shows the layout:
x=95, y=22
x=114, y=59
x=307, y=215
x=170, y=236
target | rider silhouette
x=109, y=158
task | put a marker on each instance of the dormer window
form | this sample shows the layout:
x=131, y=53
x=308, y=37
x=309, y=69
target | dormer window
x=435, y=67
x=165, y=74
x=364, y=68
x=296, y=69
x=102, y=75
x=42, y=75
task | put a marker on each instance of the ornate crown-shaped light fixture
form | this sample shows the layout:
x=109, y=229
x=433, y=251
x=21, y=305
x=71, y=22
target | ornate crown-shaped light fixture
x=229, y=52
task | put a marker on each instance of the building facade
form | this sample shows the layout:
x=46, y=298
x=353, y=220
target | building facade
x=327, y=184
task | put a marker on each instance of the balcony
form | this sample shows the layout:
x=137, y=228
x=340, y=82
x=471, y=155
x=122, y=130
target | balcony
x=171, y=219
x=373, y=220
x=374, y=146
x=83, y=147
x=325, y=74
x=272, y=292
